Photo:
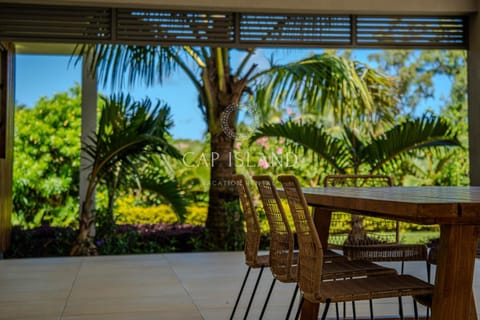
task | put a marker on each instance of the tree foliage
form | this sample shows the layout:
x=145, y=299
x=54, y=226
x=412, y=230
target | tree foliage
x=128, y=135
x=324, y=80
x=359, y=154
x=419, y=74
x=46, y=166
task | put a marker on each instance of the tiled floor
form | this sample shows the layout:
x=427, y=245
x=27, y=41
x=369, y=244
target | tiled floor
x=143, y=287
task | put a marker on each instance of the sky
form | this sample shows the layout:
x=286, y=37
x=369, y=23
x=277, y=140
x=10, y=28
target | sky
x=43, y=75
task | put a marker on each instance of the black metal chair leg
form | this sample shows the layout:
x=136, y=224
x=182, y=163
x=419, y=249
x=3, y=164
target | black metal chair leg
x=429, y=272
x=300, y=305
x=354, y=311
x=240, y=293
x=429, y=278
x=253, y=294
x=415, y=309
x=370, y=303
x=400, y=307
x=336, y=311
x=290, y=307
x=267, y=299
x=325, y=311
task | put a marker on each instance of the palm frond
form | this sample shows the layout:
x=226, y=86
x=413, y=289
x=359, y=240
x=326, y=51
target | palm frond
x=129, y=129
x=355, y=145
x=147, y=64
x=398, y=142
x=309, y=137
x=169, y=191
x=326, y=82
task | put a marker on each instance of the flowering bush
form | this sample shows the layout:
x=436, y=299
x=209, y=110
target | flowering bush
x=128, y=211
x=49, y=241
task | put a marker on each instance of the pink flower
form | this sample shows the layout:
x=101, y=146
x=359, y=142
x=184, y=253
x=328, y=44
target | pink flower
x=263, y=142
x=289, y=111
x=262, y=163
x=279, y=150
x=238, y=145
x=281, y=140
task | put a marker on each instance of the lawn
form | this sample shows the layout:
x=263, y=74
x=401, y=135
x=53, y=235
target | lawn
x=418, y=236
x=407, y=237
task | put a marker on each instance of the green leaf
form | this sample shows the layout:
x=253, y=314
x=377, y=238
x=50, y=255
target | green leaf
x=309, y=137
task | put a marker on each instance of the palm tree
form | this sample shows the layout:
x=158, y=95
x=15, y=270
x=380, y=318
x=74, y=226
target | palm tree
x=373, y=154
x=128, y=135
x=324, y=81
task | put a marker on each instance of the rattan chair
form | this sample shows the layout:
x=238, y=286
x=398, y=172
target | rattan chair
x=427, y=300
x=284, y=261
x=372, y=248
x=311, y=264
x=252, y=241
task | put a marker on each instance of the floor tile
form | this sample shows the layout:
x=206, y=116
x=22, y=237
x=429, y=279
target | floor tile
x=160, y=286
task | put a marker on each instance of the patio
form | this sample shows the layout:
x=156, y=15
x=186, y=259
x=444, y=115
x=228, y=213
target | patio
x=140, y=287
x=193, y=285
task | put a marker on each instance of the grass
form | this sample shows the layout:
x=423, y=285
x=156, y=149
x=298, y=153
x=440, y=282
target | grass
x=407, y=237
x=418, y=236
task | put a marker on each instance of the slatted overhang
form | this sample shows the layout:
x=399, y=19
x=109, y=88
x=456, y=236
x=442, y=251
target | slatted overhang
x=256, y=29
x=167, y=27
x=412, y=31
x=174, y=27
x=55, y=23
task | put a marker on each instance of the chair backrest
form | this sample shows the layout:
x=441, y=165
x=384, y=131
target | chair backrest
x=281, y=236
x=362, y=180
x=252, y=241
x=310, y=248
x=357, y=180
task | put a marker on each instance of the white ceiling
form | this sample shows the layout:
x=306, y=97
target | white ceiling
x=287, y=6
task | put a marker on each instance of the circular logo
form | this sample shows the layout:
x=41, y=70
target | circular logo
x=239, y=121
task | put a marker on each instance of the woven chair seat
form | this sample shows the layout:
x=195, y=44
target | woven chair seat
x=260, y=261
x=371, y=288
x=425, y=300
x=340, y=269
x=349, y=269
x=328, y=255
x=332, y=255
x=386, y=252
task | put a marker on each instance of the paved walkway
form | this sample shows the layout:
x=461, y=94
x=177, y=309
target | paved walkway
x=144, y=287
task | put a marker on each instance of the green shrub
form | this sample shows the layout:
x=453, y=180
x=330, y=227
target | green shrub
x=341, y=224
x=128, y=211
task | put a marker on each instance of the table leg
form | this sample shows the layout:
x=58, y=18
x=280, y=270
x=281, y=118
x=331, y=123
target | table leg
x=309, y=310
x=322, y=218
x=453, y=295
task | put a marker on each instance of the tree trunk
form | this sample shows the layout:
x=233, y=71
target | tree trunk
x=357, y=233
x=84, y=244
x=224, y=223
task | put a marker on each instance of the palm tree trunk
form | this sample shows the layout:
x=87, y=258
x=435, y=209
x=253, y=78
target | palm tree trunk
x=224, y=223
x=357, y=233
x=84, y=244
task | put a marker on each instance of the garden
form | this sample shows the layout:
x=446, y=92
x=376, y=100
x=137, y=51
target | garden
x=158, y=194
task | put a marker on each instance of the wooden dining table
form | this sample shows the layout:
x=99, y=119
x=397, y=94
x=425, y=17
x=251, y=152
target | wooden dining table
x=455, y=209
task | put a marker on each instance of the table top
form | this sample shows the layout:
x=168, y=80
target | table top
x=423, y=205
